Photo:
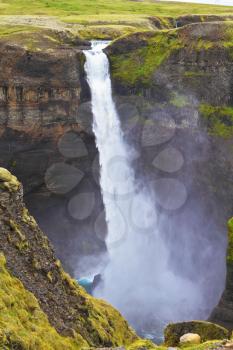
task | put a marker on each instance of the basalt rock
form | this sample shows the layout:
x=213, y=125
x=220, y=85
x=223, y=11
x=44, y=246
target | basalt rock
x=182, y=79
x=223, y=312
x=42, y=101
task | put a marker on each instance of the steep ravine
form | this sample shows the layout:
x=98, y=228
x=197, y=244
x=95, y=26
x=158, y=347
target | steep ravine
x=181, y=76
x=184, y=76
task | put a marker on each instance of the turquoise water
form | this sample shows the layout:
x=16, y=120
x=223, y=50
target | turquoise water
x=86, y=283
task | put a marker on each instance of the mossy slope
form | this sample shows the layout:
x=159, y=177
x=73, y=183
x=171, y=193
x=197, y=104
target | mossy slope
x=23, y=325
x=30, y=257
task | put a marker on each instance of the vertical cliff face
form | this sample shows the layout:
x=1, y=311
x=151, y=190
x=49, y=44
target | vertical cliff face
x=38, y=89
x=30, y=258
x=223, y=312
x=45, y=125
x=174, y=90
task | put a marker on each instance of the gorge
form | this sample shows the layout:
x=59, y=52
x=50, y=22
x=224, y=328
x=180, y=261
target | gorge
x=144, y=196
x=140, y=262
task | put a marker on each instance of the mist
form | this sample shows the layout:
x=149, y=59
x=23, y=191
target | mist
x=165, y=256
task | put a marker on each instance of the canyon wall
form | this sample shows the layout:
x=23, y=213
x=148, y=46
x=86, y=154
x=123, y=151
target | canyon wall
x=183, y=80
x=180, y=82
x=46, y=135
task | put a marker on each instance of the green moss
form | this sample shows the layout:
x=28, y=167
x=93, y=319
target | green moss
x=23, y=325
x=193, y=74
x=202, y=44
x=178, y=100
x=143, y=344
x=219, y=119
x=106, y=32
x=16, y=229
x=50, y=276
x=230, y=242
x=137, y=66
x=23, y=245
x=8, y=181
x=28, y=219
x=205, y=346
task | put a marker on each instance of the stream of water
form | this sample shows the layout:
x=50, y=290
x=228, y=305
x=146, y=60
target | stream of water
x=137, y=278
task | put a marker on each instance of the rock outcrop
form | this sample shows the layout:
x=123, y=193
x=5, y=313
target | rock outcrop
x=223, y=312
x=206, y=331
x=30, y=258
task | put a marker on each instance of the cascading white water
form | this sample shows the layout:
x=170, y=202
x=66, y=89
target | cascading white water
x=137, y=279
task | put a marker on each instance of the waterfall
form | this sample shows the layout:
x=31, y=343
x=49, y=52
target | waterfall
x=137, y=279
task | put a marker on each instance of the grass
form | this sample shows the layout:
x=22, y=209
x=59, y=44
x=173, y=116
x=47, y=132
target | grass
x=66, y=8
x=132, y=15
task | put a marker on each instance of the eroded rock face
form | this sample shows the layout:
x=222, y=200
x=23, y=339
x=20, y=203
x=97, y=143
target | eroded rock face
x=41, y=95
x=223, y=312
x=177, y=79
x=30, y=258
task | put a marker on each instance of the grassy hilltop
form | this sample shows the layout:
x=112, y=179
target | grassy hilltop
x=77, y=8
x=95, y=18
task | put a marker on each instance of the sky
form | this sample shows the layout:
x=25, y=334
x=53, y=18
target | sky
x=214, y=2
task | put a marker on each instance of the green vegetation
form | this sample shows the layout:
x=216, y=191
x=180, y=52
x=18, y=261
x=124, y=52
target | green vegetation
x=143, y=344
x=99, y=18
x=207, y=331
x=6, y=30
x=204, y=346
x=219, y=119
x=137, y=66
x=66, y=8
x=23, y=325
x=193, y=74
x=8, y=181
x=178, y=100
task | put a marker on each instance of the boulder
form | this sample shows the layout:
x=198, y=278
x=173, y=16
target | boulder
x=190, y=338
x=206, y=330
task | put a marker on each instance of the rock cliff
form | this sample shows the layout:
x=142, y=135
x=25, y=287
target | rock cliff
x=42, y=87
x=81, y=319
x=223, y=312
x=183, y=78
